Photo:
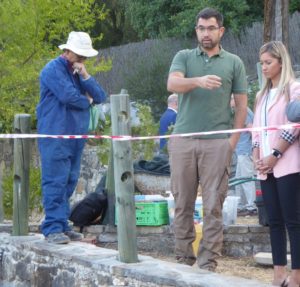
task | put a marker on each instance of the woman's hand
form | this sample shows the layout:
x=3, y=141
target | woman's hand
x=266, y=164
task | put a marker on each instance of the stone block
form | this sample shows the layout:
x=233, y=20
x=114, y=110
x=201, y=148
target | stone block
x=151, y=184
x=237, y=249
x=236, y=229
x=44, y=274
x=258, y=238
x=237, y=238
x=265, y=258
x=65, y=278
x=262, y=247
x=258, y=229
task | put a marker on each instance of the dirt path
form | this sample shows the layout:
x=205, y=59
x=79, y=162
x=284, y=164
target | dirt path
x=244, y=267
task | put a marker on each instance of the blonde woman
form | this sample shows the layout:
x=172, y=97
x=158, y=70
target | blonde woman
x=276, y=156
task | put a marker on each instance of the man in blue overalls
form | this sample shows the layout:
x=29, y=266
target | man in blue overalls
x=66, y=93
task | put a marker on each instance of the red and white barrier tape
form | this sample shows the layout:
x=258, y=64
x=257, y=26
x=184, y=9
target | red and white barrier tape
x=131, y=138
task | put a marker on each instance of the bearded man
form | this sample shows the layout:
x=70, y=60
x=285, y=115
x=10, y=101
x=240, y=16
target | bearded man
x=204, y=79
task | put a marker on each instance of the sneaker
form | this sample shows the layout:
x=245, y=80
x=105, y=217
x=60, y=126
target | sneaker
x=253, y=212
x=243, y=212
x=247, y=212
x=57, y=238
x=74, y=236
x=186, y=260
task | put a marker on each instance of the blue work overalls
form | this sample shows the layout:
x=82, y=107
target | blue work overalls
x=63, y=110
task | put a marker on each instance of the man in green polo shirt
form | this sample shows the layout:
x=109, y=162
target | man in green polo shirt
x=205, y=78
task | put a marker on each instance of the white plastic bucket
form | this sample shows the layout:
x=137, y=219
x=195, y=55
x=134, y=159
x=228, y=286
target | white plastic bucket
x=230, y=210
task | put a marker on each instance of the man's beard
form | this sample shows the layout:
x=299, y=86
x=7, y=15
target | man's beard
x=208, y=44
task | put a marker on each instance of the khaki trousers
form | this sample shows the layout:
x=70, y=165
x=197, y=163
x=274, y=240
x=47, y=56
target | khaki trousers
x=207, y=162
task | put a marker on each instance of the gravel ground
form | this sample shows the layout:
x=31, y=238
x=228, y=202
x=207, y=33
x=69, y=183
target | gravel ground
x=244, y=267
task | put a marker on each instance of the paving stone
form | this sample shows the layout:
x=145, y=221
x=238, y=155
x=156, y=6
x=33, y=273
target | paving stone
x=265, y=258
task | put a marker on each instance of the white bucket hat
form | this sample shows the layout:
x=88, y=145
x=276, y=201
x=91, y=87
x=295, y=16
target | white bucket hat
x=80, y=43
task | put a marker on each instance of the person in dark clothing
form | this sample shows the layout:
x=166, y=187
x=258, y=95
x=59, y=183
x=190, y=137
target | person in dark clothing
x=66, y=93
x=168, y=118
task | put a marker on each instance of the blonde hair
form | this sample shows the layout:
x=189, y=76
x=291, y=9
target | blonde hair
x=278, y=51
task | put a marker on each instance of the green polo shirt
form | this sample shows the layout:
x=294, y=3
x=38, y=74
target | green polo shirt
x=208, y=110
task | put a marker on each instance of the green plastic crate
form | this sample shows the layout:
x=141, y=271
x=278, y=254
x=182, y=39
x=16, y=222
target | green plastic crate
x=153, y=213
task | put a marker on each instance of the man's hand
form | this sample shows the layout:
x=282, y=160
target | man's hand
x=177, y=83
x=89, y=98
x=80, y=69
x=210, y=82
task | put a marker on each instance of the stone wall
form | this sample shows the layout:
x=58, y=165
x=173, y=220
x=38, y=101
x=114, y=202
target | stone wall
x=28, y=261
x=239, y=240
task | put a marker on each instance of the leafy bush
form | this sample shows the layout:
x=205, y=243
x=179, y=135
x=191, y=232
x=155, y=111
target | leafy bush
x=170, y=18
x=253, y=88
x=29, y=34
x=144, y=149
x=140, y=149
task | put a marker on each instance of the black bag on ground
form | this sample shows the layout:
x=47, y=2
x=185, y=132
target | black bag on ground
x=91, y=209
x=159, y=165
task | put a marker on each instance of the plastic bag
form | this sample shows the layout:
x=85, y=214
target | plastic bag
x=94, y=118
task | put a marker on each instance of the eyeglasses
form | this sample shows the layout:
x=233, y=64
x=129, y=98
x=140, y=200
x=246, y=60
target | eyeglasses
x=209, y=29
x=81, y=57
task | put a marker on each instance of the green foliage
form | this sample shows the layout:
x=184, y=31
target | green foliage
x=253, y=88
x=140, y=149
x=35, y=192
x=116, y=27
x=29, y=34
x=105, y=144
x=152, y=18
x=294, y=6
x=132, y=20
x=172, y=18
x=147, y=127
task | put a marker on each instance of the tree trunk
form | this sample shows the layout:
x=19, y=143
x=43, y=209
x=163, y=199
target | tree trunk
x=276, y=21
x=269, y=15
x=285, y=22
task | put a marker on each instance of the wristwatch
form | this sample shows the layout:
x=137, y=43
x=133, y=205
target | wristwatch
x=276, y=153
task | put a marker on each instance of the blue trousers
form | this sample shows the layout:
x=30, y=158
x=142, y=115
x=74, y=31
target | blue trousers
x=282, y=202
x=60, y=159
